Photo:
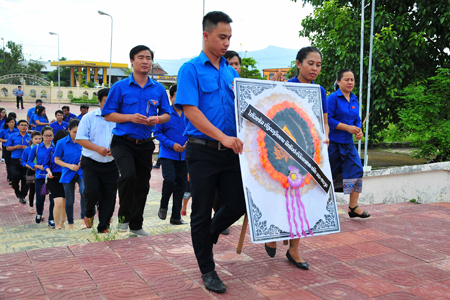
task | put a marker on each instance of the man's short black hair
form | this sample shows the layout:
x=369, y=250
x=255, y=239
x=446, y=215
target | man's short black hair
x=211, y=19
x=65, y=107
x=39, y=101
x=230, y=54
x=173, y=90
x=19, y=86
x=59, y=112
x=84, y=106
x=102, y=93
x=22, y=121
x=12, y=115
x=138, y=49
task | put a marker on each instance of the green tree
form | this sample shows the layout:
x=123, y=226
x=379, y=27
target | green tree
x=249, y=70
x=410, y=38
x=425, y=116
x=64, y=74
x=13, y=61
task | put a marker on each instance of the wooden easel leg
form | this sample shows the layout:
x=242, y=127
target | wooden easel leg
x=285, y=242
x=242, y=236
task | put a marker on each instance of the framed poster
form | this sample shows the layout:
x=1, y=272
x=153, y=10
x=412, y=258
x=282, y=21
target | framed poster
x=285, y=169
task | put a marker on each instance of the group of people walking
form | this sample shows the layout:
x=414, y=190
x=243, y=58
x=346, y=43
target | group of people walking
x=111, y=148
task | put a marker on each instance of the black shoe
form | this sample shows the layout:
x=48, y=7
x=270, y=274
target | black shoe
x=226, y=232
x=353, y=214
x=270, y=251
x=162, y=213
x=156, y=166
x=301, y=265
x=177, y=222
x=22, y=200
x=213, y=282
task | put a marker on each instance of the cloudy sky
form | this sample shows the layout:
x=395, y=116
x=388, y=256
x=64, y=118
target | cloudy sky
x=172, y=28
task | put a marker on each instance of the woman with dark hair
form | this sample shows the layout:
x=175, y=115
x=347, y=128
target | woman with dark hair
x=42, y=153
x=54, y=172
x=36, y=139
x=68, y=156
x=309, y=65
x=344, y=120
x=9, y=128
x=2, y=116
x=40, y=118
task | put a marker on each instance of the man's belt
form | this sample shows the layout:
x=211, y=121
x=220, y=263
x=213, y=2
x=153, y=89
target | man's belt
x=139, y=141
x=208, y=143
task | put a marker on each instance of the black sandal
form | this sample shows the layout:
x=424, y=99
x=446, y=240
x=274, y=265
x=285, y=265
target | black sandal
x=352, y=213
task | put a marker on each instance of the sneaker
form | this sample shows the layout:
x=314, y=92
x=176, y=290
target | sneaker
x=140, y=232
x=38, y=219
x=156, y=166
x=22, y=200
x=3, y=160
x=51, y=224
x=123, y=227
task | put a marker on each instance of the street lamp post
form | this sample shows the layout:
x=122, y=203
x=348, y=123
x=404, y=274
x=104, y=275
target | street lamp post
x=110, y=51
x=59, y=79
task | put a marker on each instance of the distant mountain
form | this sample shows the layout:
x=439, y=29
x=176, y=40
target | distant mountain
x=270, y=57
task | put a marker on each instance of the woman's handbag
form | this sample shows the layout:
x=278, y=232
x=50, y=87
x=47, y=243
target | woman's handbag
x=44, y=188
x=29, y=178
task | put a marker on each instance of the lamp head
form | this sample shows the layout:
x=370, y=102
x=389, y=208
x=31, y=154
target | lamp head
x=102, y=13
x=52, y=33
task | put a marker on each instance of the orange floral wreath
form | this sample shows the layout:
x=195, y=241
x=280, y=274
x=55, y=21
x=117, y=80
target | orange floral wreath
x=263, y=156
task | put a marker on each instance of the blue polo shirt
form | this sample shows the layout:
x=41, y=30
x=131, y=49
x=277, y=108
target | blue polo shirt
x=80, y=116
x=70, y=117
x=31, y=112
x=69, y=152
x=57, y=127
x=128, y=97
x=42, y=119
x=25, y=154
x=202, y=85
x=17, y=139
x=342, y=111
x=170, y=133
x=2, y=122
x=42, y=155
x=323, y=94
x=5, y=133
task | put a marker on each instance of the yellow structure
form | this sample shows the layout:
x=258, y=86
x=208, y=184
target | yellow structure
x=269, y=73
x=88, y=65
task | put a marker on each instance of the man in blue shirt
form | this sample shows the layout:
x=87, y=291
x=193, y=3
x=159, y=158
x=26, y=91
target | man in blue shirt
x=99, y=169
x=67, y=114
x=59, y=124
x=32, y=111
x=16, y=143
x=205, y=93
x=174, y=170
x=84, y=109
x=136, y=104
x=19, y=96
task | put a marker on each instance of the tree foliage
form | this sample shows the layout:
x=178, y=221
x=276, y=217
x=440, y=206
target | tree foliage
x=64, y=74
x=426, y=116
x=249, y=70
x=410, y=38
x=12, y=59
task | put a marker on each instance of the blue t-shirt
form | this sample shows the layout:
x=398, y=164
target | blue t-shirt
x=68, y=118
x=69, y=152
x=170, y=133
x=128, y=97
x=42, y=119
x=323, y=94
x=17, y=139
x=202, y=85
x=42, y=155
x=57, y=127
x=342, y=111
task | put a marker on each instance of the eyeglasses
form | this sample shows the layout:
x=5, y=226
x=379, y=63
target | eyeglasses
x=48, y=136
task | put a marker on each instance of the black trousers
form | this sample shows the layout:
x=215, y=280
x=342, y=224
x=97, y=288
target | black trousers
x=174, y=173
x=134, y=162
x=6, y=155
x=100, y=185
x=18, y=173
x=19, y=99
x=210, y=169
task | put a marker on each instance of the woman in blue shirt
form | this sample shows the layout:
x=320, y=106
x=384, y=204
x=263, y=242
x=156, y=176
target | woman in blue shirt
x=2, y=116
x=36, y=139
x=40, y=118
x=54, y=172
x=42, y=153
x=68, y=155
x=9, y=128
x=344, y=120
x=309, y=65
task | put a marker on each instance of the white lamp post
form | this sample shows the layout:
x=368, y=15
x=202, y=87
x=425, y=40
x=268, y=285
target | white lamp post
x=59, y=79
x=110, y=52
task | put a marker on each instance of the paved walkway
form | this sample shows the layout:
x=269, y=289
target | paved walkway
x=399, y=253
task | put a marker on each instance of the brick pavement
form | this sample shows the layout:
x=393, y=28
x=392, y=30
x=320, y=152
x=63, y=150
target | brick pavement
x=399, y=253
